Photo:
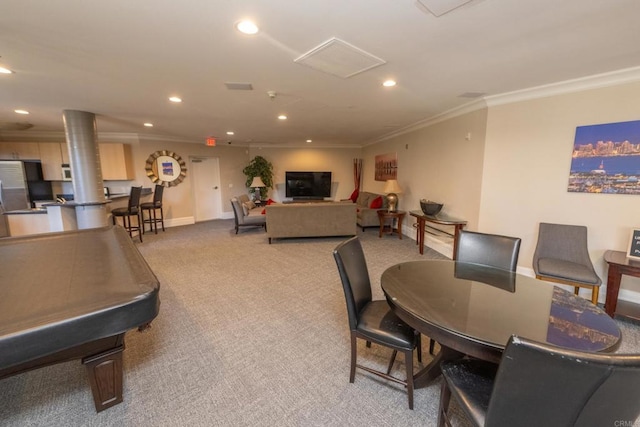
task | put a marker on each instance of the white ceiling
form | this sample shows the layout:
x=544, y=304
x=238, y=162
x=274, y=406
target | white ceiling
x=122, y=59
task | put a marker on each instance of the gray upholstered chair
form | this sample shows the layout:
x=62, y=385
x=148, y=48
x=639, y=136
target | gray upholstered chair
x=132, y=210
x=242, y=220
x=492, y=250
x=543, y=385
x=373, y=321
x=562, y=256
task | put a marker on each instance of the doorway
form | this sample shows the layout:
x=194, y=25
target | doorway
x=206, y=188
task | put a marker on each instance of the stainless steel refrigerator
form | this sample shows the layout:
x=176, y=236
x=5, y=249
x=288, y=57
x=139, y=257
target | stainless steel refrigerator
x=21, y=185
x=14, y=194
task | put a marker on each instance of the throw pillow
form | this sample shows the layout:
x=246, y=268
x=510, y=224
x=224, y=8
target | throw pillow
x=376, y=203
x=264, y=212
x=354, y=195
x=247, y=206
x=270, y=202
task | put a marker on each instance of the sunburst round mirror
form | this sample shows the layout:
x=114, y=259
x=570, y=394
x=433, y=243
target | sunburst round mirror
x=166, y=168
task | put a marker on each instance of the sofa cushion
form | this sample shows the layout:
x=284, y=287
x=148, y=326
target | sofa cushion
x=363, y=199
x=376, y=203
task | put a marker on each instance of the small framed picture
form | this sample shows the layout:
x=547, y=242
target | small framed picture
x=634, y=245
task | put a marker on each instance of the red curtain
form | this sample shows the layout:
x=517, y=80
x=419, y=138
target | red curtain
x=357, y=173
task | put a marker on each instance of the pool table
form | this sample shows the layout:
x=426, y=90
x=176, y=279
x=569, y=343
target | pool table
x=73, y=295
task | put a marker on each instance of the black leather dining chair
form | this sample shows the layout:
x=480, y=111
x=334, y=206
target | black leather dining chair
x=132, y=210
x=373, y=321
x=488, y=249
x=152, y=208
x=493, y=250
x=542, y=385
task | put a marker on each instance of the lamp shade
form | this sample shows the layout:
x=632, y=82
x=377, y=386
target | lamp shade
x=391, y=186
x=257, y=182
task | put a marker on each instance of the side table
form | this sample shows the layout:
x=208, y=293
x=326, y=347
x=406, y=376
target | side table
x=619, y=264
x=384, y=215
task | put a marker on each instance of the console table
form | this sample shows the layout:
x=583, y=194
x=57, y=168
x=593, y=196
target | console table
x=619, y=264
x=441, y=219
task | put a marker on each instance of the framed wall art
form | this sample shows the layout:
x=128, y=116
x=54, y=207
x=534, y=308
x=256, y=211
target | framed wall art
x=386, y=167
x=606, y=159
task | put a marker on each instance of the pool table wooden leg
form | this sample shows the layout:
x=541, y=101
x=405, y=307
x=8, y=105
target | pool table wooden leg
x=105, y=377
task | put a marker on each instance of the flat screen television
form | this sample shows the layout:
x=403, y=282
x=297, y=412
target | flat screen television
x=308, y=185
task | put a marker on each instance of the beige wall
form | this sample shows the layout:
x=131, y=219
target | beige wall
x=437, y=163
x=526, y=171
x=513, y=172
x=339, y=161
x=178, y=200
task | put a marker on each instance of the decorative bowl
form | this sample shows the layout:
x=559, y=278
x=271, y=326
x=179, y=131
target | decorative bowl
x=429, y=207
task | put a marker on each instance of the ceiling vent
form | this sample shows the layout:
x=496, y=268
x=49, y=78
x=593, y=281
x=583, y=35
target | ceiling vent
x=471, y=95
x=440, y=7
x=339, y=58
x=239, y=86
x=15, y=126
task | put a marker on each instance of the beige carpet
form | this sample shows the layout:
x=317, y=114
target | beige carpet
x=249, y=334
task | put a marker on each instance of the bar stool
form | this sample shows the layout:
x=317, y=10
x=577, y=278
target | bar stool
x=132, y=209
x=151, y=208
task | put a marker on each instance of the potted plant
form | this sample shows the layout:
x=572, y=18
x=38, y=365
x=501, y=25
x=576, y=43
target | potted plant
x=259, y=166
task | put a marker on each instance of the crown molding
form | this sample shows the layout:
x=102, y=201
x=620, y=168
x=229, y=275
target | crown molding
x=613, y=78
x=469, y=107
x=304, y=145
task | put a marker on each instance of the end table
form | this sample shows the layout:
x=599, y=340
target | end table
x=384, y=215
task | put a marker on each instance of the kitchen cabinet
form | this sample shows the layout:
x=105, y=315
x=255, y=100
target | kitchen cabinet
x=19, y=151
x=116, y=162
x=52, y=156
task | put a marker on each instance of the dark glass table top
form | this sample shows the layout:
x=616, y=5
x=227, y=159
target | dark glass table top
x=486, y=306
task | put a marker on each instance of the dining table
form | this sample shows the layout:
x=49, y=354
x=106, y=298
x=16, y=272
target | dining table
x=473, y=310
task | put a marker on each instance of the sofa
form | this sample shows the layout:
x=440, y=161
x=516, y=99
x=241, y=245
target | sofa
x=311, y=219
x=368, y=215
x=246, y=213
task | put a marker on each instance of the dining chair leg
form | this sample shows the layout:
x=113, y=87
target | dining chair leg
x=393, y=359
x=408, y=361
x=419, y=345
x=354, y=355
x=162, y=219
x=594, y=295
x=445, y=396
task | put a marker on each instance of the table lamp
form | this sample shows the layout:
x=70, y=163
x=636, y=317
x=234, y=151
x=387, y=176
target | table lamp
x=257, y=184
x=391, y=188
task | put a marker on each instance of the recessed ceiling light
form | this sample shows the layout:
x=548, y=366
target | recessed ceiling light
x=175, y=99
x=309, y=141
x=282, y=117
x=21, y=111
x=389, y=83
x=247, y=27
x=149, y=125
x=5, y=71
x=230, y=133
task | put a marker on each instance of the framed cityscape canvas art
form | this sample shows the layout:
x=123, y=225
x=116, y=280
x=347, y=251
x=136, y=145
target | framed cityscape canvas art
x=606, y=159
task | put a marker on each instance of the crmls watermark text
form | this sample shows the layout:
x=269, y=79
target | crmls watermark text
x=624, y=423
